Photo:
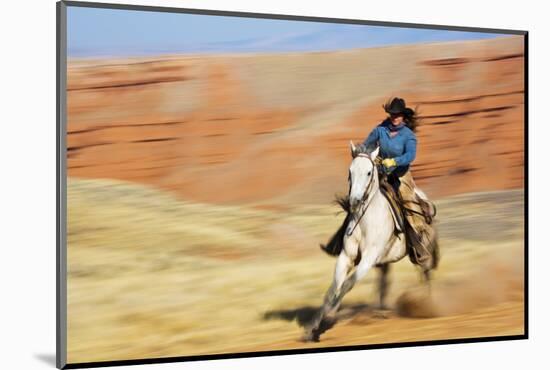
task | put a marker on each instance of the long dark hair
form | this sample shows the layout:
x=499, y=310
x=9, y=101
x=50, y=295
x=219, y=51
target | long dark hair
x=410, y=116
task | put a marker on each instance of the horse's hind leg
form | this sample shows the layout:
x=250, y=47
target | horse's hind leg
x=434, y=261
x=383, y=284
x=427, y=275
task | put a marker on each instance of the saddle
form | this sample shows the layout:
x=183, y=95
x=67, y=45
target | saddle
x=421, y=246
x=336, y=242
x=398, y=207
x=395, y=204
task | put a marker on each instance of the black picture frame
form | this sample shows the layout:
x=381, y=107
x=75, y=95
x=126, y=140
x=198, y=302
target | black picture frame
x=61, y=185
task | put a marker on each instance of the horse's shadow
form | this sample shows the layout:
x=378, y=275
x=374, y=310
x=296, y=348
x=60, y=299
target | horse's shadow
x=304, y=315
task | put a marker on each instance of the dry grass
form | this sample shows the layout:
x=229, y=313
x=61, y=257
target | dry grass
x=154, y=276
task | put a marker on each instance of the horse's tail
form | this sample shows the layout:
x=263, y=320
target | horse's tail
x=343, y=201
x=336, y=242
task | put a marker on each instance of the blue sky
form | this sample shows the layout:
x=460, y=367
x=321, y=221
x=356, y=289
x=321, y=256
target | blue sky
x=111, y=32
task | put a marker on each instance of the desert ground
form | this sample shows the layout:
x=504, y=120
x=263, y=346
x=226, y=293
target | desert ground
x=200, y=187
x=153, y=276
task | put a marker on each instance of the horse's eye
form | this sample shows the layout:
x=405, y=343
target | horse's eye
x=368, y=174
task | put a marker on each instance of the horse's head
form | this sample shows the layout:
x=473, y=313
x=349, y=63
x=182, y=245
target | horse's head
x=363, y=176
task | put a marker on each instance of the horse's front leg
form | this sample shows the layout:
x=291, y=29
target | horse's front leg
x=336, y=294
x=367, y=262
x=333, y=296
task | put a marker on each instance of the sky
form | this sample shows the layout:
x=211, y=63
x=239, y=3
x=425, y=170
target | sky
x=95, y=32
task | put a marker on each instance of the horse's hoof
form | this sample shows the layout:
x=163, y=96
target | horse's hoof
x=310, y=336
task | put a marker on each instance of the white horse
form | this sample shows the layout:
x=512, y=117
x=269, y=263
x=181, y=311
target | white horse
x=370, y=233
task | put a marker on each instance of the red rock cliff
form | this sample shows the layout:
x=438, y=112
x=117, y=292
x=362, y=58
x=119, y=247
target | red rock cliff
x=276, y=127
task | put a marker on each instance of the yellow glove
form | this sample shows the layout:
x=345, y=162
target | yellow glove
x=389, y=162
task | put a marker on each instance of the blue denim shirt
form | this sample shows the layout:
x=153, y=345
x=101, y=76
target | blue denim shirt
x=401, y=147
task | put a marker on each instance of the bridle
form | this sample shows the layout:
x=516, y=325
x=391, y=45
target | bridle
x=365, y=196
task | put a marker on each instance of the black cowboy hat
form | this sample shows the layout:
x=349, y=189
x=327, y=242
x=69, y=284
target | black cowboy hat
x=398, y=106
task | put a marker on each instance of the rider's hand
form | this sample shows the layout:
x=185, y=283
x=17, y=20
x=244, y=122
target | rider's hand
x=389, y=162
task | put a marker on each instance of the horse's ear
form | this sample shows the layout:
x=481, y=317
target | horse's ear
x=353, y=149
x=374, y=153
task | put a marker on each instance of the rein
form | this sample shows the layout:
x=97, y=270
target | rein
x=365, y=194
